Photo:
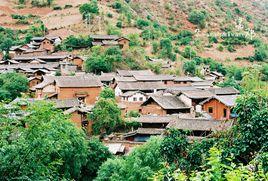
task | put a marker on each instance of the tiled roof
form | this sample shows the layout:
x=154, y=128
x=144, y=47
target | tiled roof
x=197, y=94
x=104, y=37
x=132, y=86
x=78, y=81
x=131, y=93
x=66, y=103
x=150, y=131
x=129, y=73
x=228, y=100
x=224, y=91
x=188, y=79
x=153, y=77
x=167, y=102
x=197, y=124
x=155, y=119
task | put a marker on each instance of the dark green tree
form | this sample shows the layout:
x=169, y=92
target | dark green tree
x=107, y=93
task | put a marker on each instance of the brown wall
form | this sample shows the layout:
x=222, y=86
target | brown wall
x=218, y=108
x=152, y=109
x=124, y=43
x=76, y=119
x=34, y=82
x=68, y=93
x=47, y=45
x=78, y=62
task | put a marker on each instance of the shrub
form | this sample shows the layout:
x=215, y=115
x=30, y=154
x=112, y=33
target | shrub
x=198, y=17
x=220, y=48
x=74, y=42
x=212, y=39
x=190, y=67
x=109, y=15
x=68, y=6
x=57, y=8
x=185, y=37
x=230, y=48
x=41, y=3
x=119, y=24
x=112, y=30
x=188, y=52
x=89, y=8
x=140, y=23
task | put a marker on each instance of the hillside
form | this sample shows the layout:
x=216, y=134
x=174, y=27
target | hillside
x=237, y=16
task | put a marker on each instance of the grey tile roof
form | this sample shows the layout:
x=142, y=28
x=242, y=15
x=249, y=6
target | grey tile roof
x=188, y=79
x=228, y=100
x=197, y=124
x=133, y=86
x=153, y=77
x=66, y=103
x=104, y=37
x=129, y=73
x=197, y=94
x=167, y=102
x=78, y=81
x=150, y=131
x=224, y=91
x=125, y=79
x=155, y=118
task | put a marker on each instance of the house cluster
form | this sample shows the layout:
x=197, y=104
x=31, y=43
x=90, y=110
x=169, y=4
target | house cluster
x=162, y=101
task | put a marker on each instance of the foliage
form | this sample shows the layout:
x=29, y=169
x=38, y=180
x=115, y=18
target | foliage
x=190, y=67
x=261, y=53
x=133, y=114
x=134, y=39
x=113, y=30
x=250, y=134
x=198, y=17
x=166, y=48
x=139, y=165
x=231, y=82
x=184, y=37
x=47, y=149
x=89, y=8
x=141, y=23
x=264, y=71
x=107, y=93
x=41, y=3
x=11, y=85
x=106, y=116
x=76, y=42
x=100, y=61
x=96, y=155
x=188, y=52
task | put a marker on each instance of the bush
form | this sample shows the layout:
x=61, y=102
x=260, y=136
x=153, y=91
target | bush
x=68, y=6
x=190, y=67
x=198, y=17
x=140, y=23
x=74, y=42
x=230, y=48
x=188, y=52
x=261, y=53
x=112, y=30
x=212, y=39
x=220, y=48
x=89, y=8
x=57, y=8
x=119, y=24
x=109, y=15
x=185, y=37
x=41, y=3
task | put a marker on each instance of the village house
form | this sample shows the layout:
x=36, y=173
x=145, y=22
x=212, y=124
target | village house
x=146, y=87
x=155, y=121
x=132, y=73
x=33, y=81
x=199, y=127
x=224, y=91
x=86, y=88
x=186, y=80
x=193, y=97
x=166, y=79
x=163, y=105
x=220, y=107
x=110, y=40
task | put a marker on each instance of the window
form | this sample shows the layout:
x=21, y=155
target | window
x=224, y=113
x=210, y=110
x=141, y=98
x=134, y=99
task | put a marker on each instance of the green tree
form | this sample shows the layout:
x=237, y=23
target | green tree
x=190, y=67
x=40, y=145
x=96, y=155
x=106, y=116
x=166, y=48
x=89, y=8
x=141, y=23
x=198, y=17
x=73, y=42
x=12, y=85
x=188, y=52
x=139, y=165
x=107, y=93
